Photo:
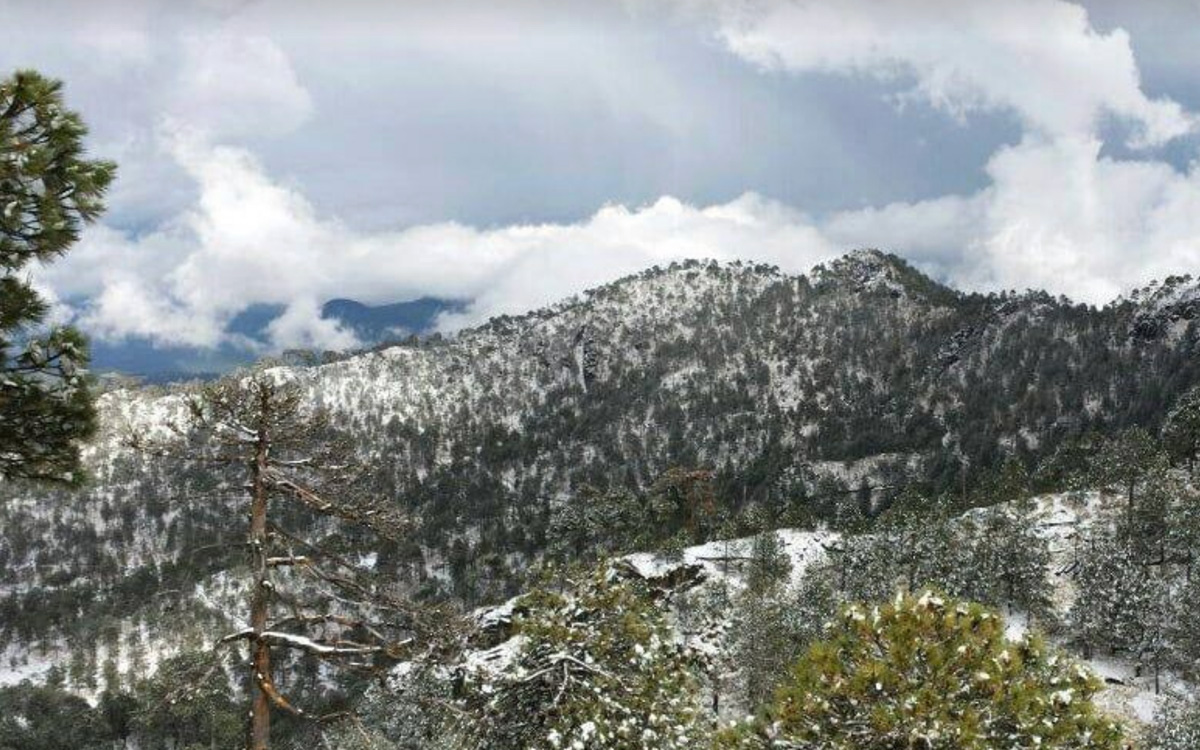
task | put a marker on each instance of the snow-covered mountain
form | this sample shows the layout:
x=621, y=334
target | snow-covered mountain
x=864, y=375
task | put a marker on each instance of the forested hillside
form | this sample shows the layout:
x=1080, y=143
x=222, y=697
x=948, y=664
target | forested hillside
x=697, y=402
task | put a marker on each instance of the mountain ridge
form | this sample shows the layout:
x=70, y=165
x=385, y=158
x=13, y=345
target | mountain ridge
x=790, y=391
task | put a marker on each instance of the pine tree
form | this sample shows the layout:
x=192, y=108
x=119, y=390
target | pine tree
x=48, y=190
x=1148, y=527
x=1009, y=558
x=926, y=672
x=254, y=426
x=766, y=636
x=921, y=537
x=1124, y=460
x=684, y=500
x=1185, y=626
x=598, y=523
x=1183, y=524
x=1181, y=432
x=1177, y=727
x=815, y=602
x=863, y=568
x=849, y=512
x=1119, y=603
x=1011, y=482
x=48, y=718
x=769, y=564
x=187, y=703
x=118, y=710
x=598, y=667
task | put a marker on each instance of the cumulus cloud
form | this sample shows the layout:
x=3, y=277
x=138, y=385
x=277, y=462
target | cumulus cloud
x=1061, y=216
x=235, y=85
x=1040, y=58
x=1057, y=216
x=250, y=241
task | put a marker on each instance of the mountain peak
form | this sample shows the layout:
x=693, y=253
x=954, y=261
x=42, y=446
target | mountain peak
x=872, y=270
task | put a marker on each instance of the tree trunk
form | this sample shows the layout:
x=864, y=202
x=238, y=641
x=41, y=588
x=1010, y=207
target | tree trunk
x=259, y=733
x=725, y=566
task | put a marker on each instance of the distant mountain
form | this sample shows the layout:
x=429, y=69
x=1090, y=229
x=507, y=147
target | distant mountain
x=863, y=377
x=387, y=322
x=157, y=363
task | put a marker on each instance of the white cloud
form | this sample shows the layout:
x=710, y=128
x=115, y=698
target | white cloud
x=1062, y=217
x=1057, y=213
x=1040, y=58
x=549, y=262
x=130, y=306
x=301, y=326
x=1057, y=216
x=233, y=85
x=249, y=240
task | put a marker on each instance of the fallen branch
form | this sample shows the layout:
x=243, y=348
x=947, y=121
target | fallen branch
x=276, y=562
x=290, y=640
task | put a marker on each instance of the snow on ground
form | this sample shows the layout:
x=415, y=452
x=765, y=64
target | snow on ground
x=18, y=664
x=490, y=618
x=1128, y=696
x=1016, y=625
x=1064, y=519
x=491, y=661
x=718, y=558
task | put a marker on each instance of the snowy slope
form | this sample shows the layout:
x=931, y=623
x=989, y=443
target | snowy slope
x=863, y=372
x=1062, y=518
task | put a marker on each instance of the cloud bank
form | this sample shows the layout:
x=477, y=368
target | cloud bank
x=1060, y=209
x=250, y=239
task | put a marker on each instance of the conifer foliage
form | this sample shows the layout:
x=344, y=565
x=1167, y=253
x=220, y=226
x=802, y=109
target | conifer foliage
x=1177, y=727
x=927, y=672
x=598, y=668
x=1181, y=432
x=48, y=190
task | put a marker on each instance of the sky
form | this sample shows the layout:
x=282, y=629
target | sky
x=511, y=154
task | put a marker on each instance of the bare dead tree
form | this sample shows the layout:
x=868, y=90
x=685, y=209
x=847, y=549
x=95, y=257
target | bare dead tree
x=304, y=598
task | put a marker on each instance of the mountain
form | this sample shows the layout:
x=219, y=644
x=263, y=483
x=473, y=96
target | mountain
x=864, y=377
x=382, y=322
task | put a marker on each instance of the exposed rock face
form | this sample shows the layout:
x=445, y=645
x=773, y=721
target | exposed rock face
x=1165, y=308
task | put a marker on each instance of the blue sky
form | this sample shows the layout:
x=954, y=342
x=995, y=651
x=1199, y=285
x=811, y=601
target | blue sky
x=513, y=153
